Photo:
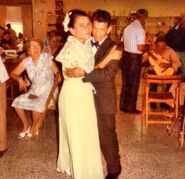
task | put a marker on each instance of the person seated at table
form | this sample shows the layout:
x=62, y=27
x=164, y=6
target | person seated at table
x=13, y=34
x=49, y=36
x=40, y=69
x=54, y=47
x=6, y=41
x=20, y=42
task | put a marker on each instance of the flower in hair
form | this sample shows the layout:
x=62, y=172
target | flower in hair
x=66, y=21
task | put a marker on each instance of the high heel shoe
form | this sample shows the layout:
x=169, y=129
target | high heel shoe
x=29, y=135
x=24, y=134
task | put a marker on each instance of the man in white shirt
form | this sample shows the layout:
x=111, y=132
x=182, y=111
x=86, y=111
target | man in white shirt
x=3, y=133
x=134, y=46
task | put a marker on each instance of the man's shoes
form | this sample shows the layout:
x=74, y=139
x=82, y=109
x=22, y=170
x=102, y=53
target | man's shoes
x=112, y=176
x=131, y=112
x=2, y=153
x=135, y=111
x=124, y=110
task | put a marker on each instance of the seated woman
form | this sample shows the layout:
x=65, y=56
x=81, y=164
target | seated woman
x=40, y=69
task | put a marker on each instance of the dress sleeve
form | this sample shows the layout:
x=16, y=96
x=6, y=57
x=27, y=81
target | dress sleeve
x=63, y=56
x=67, y=57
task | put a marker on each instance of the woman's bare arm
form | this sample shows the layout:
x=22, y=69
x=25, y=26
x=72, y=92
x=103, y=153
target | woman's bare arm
x=15, y=74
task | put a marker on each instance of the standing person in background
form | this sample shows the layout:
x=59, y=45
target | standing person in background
x=134, y=46
x=13, y=34
x=176, y=40
x=3, y=122
x=105, y=96
x=132, y=16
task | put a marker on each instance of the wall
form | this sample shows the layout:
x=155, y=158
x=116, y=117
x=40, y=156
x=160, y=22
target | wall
x=161, y=12
x=27, y=20
x=43, y=12
x=2, y=16
x=123, y=7
x=42, y=9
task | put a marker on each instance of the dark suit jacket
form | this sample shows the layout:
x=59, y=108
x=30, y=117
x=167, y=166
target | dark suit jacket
x=103, y=80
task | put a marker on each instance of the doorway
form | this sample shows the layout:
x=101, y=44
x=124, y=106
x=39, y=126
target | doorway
x=14, y=17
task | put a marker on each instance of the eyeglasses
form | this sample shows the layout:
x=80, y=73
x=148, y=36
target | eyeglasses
x=35, y=47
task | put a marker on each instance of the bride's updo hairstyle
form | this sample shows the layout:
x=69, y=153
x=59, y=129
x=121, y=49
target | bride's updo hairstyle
x=73, y=14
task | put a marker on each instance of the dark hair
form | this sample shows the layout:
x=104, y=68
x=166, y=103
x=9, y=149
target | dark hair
x=142, y=13
x=51, y=33
x=74, y=14
x=160, y=39
x=8, y=26
x=101, y=16
x=6, y=32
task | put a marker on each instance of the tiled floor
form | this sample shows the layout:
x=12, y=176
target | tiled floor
x=145, y=154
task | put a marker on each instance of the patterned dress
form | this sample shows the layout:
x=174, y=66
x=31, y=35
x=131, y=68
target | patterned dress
x=42, y=79
x=79, y=150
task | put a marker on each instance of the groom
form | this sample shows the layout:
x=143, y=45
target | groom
x=105, y=97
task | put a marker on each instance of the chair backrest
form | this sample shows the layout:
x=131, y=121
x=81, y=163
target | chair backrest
x=51, y=94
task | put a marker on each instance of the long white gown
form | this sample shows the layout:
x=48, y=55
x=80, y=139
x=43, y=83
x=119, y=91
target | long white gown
x=79, y=149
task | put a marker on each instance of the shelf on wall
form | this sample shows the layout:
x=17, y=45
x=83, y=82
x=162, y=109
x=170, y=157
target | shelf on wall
x=153, y=25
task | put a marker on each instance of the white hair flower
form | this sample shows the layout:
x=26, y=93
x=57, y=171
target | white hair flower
x=66, y=21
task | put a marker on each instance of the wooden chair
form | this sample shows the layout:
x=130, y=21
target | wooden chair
x=50, y=98
x=160, y=97
x=10, y=86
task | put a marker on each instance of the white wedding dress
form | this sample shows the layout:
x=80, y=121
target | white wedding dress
x=79, y=149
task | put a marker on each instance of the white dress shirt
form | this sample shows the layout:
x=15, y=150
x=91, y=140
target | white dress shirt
x=134, y=35
x=94, y=49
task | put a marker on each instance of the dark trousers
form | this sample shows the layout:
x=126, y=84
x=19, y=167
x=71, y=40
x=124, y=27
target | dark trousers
x=131, y=70
x=109, y=142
